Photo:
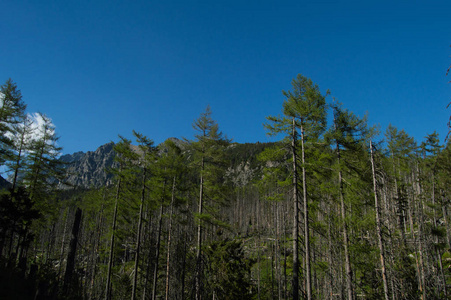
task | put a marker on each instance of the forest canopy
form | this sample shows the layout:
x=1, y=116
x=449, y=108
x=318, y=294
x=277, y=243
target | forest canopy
x=327, y=211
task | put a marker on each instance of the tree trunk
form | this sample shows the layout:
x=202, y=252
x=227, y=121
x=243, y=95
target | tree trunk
x=199, y=235
x=168, y=256
x=348, y=269
x=138, y=234
x=70, y=265
x=113, y=229
x=308, y=284
x=378, y=225
x=295, y=216
x=439, y=257
x=19, y=157
x=63, y=241
x=148, y=233
x=157, y=254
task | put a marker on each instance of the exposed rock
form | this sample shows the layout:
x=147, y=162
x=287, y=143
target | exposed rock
x=241, y=175
x=90, y=169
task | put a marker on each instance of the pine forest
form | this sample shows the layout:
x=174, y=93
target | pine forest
x=334, y=208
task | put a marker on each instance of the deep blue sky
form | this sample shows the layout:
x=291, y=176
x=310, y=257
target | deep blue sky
x=103, y=68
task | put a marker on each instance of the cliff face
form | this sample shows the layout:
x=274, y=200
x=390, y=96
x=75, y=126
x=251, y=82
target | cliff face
x=90, y=169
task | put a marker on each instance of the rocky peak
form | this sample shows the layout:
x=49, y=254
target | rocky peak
x=90, y=169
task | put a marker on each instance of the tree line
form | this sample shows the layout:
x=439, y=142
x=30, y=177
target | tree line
x=328, y=211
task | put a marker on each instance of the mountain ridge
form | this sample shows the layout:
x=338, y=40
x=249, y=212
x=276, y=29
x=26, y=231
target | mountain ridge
x=90, y=169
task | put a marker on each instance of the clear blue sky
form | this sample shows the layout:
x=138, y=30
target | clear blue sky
x=103, y=68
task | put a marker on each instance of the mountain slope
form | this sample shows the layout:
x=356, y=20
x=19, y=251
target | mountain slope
x=90, y=169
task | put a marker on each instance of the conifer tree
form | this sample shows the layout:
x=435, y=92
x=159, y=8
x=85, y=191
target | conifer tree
x=147, y=157
x=44, y=169
x=125, y=174
x=379, y=224
x=171, y=161
x=208, y=160
x=347, y=135
x=21, y=142
x=401, y=151
x=304, y=114
x=12, y=110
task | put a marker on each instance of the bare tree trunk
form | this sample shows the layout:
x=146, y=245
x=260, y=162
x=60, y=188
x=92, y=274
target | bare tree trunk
x=277, y=255
x=63, y=240
x=184, y=266
x=412, y=231
x=70, y=266
x=110, y=259
x=157, y=254
x=168, y=256
x=378, y=226
x=258, y=251
x=445, y=219
x=439, y=257
x=146, y=280
x=420, y=234
x=96, y=250
x=308, y=284
x=138, y=234
x=348, y=270
x=199, y=236
x=19, y=156
x=295, y=215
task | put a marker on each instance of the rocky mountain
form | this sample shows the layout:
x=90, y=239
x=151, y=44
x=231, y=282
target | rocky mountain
x=90, y=169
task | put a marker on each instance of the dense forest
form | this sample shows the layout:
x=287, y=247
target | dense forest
x=331, y=210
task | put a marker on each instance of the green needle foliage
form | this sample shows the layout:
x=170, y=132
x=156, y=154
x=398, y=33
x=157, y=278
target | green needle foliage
x=317, y=214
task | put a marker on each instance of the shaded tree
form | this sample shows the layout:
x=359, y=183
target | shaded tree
x=12, y=109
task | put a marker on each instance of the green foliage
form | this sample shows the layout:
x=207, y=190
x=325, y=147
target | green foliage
x=246, y=153
x=12, y=110
x=192, y=185
x=228, y=270
x=43, y=164
x=306, y=105
x=209, y=161
x=17, y=210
